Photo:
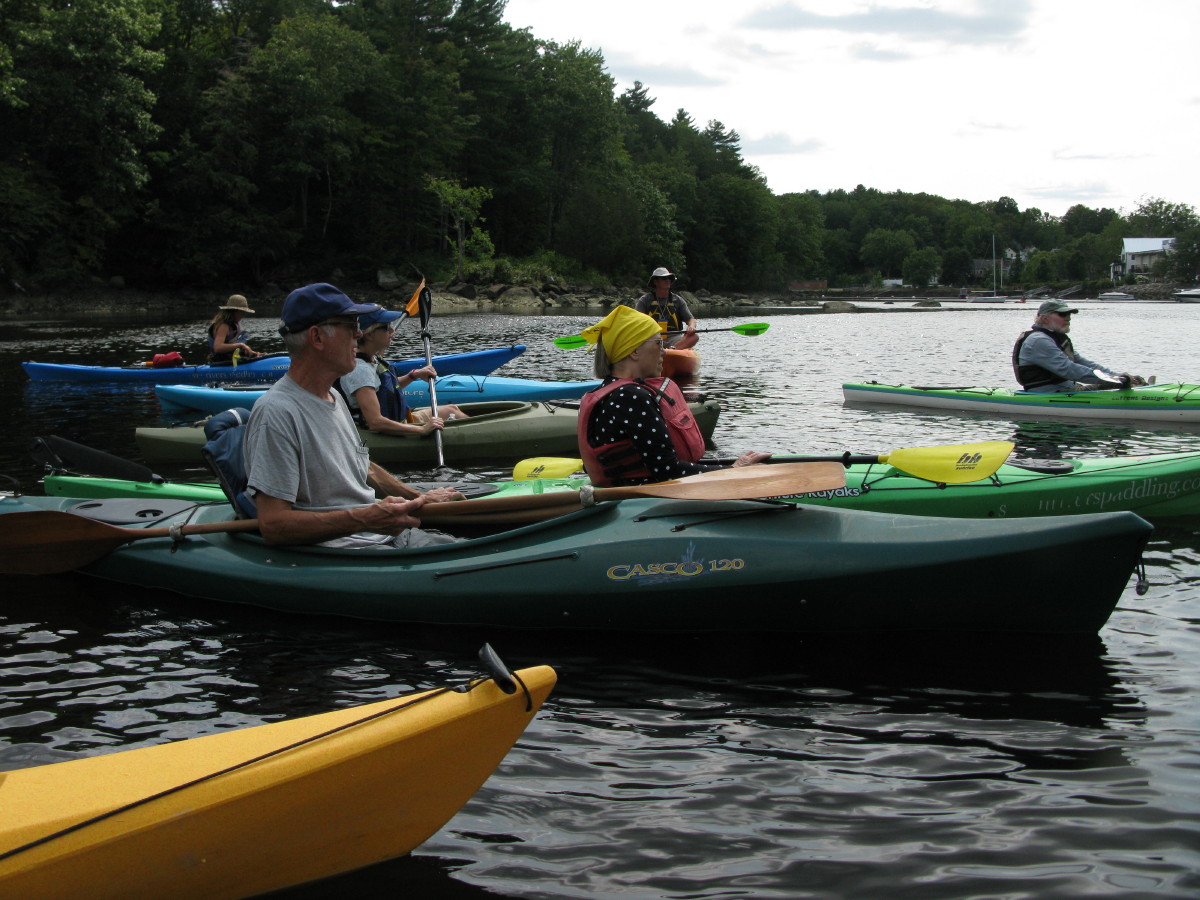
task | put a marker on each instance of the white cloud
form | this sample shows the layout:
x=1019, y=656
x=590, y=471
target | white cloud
x=1050, y=102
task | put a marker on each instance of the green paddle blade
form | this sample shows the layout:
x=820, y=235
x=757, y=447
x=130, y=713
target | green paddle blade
x=570, y=342
x=749, y=329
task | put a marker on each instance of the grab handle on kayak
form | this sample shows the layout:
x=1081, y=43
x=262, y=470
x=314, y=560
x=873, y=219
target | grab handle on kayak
x=505, y=680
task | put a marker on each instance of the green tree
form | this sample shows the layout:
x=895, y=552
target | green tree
x=1184, y=257
x=886, y=250
x=76, y=116
x=1156, y=217
x=1080, y=220
x=462, y=204
x=735, y=239
x=957, y=266
x=921, y=267
x=283, y=139
x=800, y=227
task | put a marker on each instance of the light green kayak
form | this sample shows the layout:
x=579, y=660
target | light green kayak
x=1156, y=402
x=1155, y=487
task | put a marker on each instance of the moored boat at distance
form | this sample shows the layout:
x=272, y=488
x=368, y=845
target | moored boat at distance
x=1191, y=295
x=450, y=389
x=657, y=565
x=239, y=813
x=1156, y=402
x=263, y=370
x=502, y=430
x=1115, y=295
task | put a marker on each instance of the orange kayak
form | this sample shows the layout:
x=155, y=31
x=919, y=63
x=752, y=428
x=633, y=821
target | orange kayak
x=680, y=362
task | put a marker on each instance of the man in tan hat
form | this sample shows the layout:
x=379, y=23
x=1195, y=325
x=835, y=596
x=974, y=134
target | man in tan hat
x=1045, y=361
x=668, y=309
x=226, y=338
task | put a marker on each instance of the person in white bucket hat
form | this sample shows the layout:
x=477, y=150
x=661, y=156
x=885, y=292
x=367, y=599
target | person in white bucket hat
x=668, y=309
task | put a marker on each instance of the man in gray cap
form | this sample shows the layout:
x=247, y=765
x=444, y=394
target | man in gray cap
x=307, y=469
x=1044, y=359
x=668, y=309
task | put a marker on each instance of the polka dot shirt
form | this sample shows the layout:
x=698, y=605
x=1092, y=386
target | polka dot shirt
x=631, y=413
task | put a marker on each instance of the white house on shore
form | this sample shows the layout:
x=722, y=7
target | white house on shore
x=1138, y=256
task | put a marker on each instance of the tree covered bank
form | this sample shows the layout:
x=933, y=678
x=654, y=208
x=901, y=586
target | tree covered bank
x=247, y=142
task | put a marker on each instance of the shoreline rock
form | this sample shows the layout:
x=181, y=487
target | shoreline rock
x=448, y=299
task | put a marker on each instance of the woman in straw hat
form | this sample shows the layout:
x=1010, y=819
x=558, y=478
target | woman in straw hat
x=225, y=334
x=636, y=427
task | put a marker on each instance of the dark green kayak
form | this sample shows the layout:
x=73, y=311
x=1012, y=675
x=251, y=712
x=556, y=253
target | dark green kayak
x=648, y=565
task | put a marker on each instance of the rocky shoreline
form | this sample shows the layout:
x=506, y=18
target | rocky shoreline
x=449, y=299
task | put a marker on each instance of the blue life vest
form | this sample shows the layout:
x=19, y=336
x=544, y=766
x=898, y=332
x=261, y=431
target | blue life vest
x=223, y=453
x=392, y=404
x=213, y=357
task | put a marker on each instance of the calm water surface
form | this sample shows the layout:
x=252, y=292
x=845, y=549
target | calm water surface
x=949, y=767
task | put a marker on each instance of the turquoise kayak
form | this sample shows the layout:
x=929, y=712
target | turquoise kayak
x=505, y=431
x=1155, y=403
x=645, y=565
x=1159, y=486
x=449, y=388
x=264, y=370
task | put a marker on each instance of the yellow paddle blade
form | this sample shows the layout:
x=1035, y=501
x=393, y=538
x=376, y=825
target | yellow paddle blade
x=547, y=467
x=951, y=463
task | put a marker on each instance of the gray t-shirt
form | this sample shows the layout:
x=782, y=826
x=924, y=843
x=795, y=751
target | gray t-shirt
x=306, y=450
x=364, y=375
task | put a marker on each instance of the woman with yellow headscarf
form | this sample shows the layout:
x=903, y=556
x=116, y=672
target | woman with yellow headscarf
x=636, y=427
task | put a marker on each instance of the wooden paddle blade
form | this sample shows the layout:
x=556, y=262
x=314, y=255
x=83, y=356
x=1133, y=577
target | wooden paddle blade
x=49, y=542
x=743, y=483
x=46, y=542
x=951, y=463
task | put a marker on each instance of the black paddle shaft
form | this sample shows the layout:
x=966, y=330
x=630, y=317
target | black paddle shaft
x=425, y=309
x=846, y=459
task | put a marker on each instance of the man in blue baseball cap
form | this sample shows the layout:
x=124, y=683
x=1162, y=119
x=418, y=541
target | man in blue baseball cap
x=315, y=303
x=307, y=469
x=1045, y=361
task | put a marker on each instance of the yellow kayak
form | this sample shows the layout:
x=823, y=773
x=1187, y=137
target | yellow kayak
x=241, y=813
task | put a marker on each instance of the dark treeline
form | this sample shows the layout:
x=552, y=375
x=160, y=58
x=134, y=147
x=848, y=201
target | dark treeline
x=198, y=142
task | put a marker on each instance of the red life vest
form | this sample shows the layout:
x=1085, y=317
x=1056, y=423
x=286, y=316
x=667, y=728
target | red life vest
x=620, y=459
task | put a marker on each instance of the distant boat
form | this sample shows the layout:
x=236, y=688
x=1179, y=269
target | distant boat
x=989, y=296
x=1188, y=296
x=1116, y=295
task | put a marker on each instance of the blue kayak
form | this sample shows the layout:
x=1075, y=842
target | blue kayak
x=450, y=389
x=264, y=370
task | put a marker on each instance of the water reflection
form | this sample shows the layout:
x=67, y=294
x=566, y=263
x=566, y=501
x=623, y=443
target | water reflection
x=700, y=766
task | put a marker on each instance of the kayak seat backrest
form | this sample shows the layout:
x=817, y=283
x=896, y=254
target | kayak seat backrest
x=223, y=456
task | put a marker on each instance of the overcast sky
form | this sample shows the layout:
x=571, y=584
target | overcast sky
x=1050, y=102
